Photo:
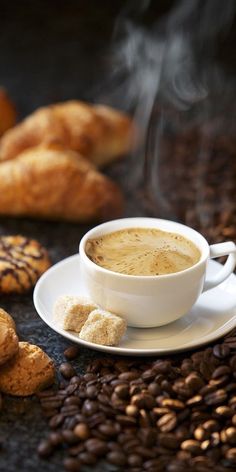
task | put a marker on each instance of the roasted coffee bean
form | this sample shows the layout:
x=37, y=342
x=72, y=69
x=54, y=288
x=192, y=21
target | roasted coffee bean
x=220, y=371
x=216, y=398
x=231, y=455
x=66, y=370
x=69, y=410
x=69, y=437
x=154, y=389
x=168, y=440
x=228, y=435
x=186, y=367
x=144, y=418
x=221, y=351
x=224, y=411
x=129, y=376
x=45, y=448
x=194, y=401
x=134, y=460
x=148, y=436
x=192, y=446
x=194, y=381
x=149, y=375
x=230, y=341
x=173, y=404
x=87, y=458
x=122, y=391
x=108, y=429
x=206, y=370
x=55, y=438
x=233, y=420
x=72, y=464
x=89, y=407
x=116, y=458
x=232, y=362
x=211, y=426
x=126, y=421
x=71, y=352
x=167, y=422
x=96, y=446
x=131, y=444
x=131, y=410
x=82, y=431
x=146, y=453
x=143, y=400
x=72, y=401
x=56, y=421
x=201, y=434
x=162, y=366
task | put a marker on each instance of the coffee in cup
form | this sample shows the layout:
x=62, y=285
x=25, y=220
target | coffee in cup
x=143, y=251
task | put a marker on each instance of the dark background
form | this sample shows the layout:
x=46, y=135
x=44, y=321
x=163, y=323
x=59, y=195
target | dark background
x=52, y=51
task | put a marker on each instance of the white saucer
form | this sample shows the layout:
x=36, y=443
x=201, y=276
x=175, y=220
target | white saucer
x=212, y=316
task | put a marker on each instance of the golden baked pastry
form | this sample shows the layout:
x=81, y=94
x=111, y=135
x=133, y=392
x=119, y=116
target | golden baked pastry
x=22, y=261
x=98, y=132
x=7, y=112
x=57, y=184
x=9, y=343
x=26, y=373
x=7, y=319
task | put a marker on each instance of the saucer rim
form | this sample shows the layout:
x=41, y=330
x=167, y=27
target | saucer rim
x=193, y=344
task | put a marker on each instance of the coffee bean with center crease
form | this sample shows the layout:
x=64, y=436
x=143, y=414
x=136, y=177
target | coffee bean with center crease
x=122, y=391
x=71, y=352
x=191, y=446
x=66, y=370
x=143, y=400
x=221, y=351
x=96, y=446
x=116, y=458
x=216, y=398
x=45, y=448
x=167, y=422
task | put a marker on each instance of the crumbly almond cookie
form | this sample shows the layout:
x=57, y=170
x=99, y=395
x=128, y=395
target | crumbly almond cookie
x=22, y=261
x=7, y=319
x=103, y=327
x=9, y=343
x=70, y=312
x=27, y=372
x=8, y=338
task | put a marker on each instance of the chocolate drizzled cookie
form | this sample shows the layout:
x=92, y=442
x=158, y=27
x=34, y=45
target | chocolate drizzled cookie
x=22, y=261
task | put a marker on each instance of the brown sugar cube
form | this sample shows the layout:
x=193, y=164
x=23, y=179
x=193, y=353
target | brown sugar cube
x=71, y=312
x=103, y=327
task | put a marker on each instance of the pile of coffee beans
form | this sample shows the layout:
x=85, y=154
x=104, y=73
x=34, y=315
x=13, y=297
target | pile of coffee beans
x=192, y=177
x=147, y=415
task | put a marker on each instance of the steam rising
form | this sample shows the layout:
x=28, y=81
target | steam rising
x=170, y=62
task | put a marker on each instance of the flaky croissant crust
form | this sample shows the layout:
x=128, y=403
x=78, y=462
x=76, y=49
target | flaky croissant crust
x=98, y=132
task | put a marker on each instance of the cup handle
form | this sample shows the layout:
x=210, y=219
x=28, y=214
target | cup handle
x=218, y=250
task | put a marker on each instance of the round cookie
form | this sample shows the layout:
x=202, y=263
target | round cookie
x=8, y=338
x=22, y=261
x=29, y=371
x=7, y=319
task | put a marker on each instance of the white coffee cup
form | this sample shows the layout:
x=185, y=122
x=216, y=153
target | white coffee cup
x=148, y=301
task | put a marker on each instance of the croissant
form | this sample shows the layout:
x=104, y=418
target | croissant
x=7, y=112
x=52, y=183
x=97, y=132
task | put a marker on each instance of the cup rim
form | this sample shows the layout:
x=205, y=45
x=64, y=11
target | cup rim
x=204, y=250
